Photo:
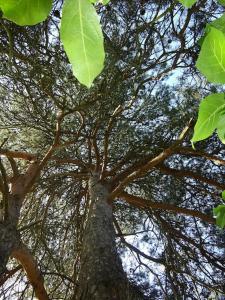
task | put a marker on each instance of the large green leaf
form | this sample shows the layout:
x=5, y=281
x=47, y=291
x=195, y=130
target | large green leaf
x=211, y=60
x=210, y=116
x=219, y=213
x=82, y=39
x=219, y=23
x=26, y=12
x=187, y=3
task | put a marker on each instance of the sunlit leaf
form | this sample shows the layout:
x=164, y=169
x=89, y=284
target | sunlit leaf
x=82, y=39
x=187, y=3
x=26, y=12
x=219, y=213
x=219, y=23
x=210, y=116
x=211, y=61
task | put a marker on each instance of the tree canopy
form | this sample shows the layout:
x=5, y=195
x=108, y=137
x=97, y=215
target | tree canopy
x=65, y=149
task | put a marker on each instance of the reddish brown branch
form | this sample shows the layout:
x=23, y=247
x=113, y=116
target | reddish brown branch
x=183, y=173
x=143, y=203
x=34, y=275
x=17, y=154
x=40, y=164
x=143, y=169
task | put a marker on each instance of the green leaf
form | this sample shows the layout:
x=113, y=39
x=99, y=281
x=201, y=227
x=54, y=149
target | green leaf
x=210, y=116
x=187, y=3
x=104, y=2
x=223, y=195
x=221, y=128
x=26, y=12
x=82, y=39
x=222, y=2
x=219, y=23
x=211, y=60
x=219, y=213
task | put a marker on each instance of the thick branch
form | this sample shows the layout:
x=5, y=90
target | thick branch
x=39, y=165
x=17, y=154
x=150, y=164
x=34, y=275
x=143, y=203
x=141, y=171
x=183, y=173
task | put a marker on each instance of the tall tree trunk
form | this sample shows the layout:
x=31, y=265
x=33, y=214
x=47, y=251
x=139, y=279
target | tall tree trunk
x=101, y=275
x=9, y=235
x=9, y=240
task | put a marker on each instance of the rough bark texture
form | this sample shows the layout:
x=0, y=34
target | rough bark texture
x=9, y=240
x=9, y=236
x=101, y=275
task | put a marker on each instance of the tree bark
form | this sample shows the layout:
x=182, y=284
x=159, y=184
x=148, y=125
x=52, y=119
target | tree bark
x=9, y=240
x=101, y=275
x=9, y=235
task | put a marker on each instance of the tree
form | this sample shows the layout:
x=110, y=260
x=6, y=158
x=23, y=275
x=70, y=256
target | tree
x=82, y=169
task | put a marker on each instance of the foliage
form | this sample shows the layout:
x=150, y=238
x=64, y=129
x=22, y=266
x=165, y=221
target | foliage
x=211, y=62
x=24, y=12
x=82, y=39
x=80, y=31
x=219, y=212
x=212, y=52
x=133, y=113
x=188, y=3
x=211, y=117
